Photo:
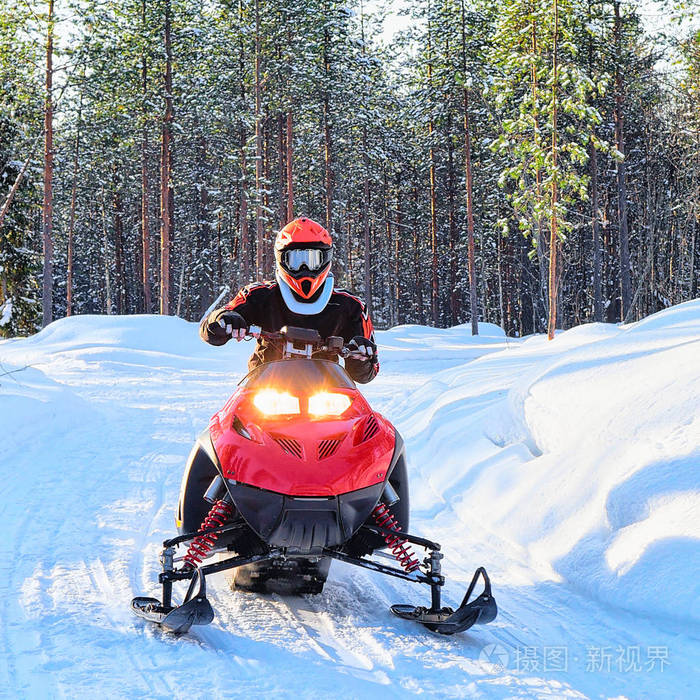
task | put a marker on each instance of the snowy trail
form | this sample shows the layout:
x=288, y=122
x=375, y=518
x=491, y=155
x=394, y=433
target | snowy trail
x=95, y=434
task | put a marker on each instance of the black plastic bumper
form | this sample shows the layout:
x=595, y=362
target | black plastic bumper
x=301, y=524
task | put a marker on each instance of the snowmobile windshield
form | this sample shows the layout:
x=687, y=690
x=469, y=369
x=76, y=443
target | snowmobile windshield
x=300, y=376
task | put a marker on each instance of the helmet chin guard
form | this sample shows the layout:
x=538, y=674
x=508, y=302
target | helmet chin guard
x=306, y=308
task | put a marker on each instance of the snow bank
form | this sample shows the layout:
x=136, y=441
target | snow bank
x=583, y=451
x=105, y=335
x=434, y=349
x=30, y=402
x=619, y=424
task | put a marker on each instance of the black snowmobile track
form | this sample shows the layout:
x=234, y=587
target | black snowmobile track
x=295, y=576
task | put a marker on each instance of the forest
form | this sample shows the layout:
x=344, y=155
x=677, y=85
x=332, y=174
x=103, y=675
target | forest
x=530, y=163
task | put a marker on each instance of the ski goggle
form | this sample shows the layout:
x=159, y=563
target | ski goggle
x=312, y=258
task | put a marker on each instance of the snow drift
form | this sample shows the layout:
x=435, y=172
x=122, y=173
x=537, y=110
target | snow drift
x=588, y=459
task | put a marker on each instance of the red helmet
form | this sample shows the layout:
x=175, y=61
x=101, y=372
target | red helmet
x=303, y=250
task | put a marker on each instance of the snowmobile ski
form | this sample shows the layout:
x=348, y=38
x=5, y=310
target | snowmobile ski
x=481, y=610
x=196, y=610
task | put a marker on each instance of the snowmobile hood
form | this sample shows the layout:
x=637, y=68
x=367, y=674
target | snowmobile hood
x=299, y=452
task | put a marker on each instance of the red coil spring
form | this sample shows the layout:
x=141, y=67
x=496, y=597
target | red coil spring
x=399, y=548
x=203, y=544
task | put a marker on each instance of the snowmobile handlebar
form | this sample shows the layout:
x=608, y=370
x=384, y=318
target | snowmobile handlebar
x=304, y=342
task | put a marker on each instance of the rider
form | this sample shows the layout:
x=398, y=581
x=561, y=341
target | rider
x=302, y=295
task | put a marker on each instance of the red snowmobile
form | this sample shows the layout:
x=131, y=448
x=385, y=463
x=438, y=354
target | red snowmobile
x=294, y=471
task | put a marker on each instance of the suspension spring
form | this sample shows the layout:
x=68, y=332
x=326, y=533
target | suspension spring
x=399, y=548
x=202, y=545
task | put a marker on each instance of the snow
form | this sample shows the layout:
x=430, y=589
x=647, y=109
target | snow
x=567, y=468
x=6, y=312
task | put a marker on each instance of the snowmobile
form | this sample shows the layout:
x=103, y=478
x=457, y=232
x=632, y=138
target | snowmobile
x=297, y=470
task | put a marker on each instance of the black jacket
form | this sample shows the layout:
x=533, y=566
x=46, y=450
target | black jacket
x=261, y=304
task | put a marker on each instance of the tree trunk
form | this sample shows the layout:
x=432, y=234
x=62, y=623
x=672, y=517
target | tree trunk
x=145, y=219
x=206, y=288
x=244, y=257
x=181, y=284
x=145, y=228
x=47, y=208
x=365, y=221
x=105, y=246
x=473, y=307
x=267, y=255
x=119, y=249
x=327, y=133
x=366, y=191
x=328, y=164
x=244, y=250
x=471, y=265
x=166, y=175
x=593, y=169
x=348, y=251
x=387, y=268
x=417, y=270
x=610, y=272
x=528, y=306
x=290, y=176
x=433, y=203
x=452, y=225
x=625, y=283
x=539, y=227
x=554, y=225
x=508, y=279
x=71, y=224
x=219, y=261
x=281, y=172
x=258, y=151
x=397, y=249
x=693, y=278
x=597, y=252
x=499, y=274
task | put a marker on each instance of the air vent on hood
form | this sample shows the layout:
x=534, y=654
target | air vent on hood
x=290, y=446
x=238, y=426
x=371, y=428
x=327, y=448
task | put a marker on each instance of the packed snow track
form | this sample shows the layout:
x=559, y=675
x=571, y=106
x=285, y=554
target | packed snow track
x=567, y=468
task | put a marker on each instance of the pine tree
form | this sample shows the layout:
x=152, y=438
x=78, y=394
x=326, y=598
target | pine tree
x=547, y=123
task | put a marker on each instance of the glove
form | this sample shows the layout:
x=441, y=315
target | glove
x=363, y=346
x=230, y=324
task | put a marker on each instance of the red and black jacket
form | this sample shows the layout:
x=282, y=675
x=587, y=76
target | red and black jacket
x=261, y=304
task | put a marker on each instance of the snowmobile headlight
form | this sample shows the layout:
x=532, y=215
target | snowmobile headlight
x=275, y=403
x=327, y=403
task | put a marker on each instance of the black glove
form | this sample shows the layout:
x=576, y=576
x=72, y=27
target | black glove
x=228, y=324
x=365, y=347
